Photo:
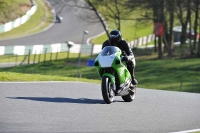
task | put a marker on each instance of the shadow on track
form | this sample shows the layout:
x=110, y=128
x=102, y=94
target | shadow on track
x=62, y=100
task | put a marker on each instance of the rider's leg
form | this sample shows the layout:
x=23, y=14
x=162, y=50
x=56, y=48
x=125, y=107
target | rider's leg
x=131, y=66
x=134, y=81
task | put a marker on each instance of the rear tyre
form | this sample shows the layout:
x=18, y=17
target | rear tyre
x=107, y=92
x=130, y=97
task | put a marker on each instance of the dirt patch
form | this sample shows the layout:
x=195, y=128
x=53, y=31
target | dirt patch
x=25, y=8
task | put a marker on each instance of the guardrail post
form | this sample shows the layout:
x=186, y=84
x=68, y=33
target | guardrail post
x=57, y=54
x=45, y=54
x=147, y=38
x=68, y=53
x=29, y=53
x=34, y=58
x=51, y=55
x=16, y=59
x=39, y=56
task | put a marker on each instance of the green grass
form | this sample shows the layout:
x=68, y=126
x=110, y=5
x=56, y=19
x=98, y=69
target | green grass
x=13, y=76
x=37, y=22
x=37, y=58
x=130, y=30
x=168, y=74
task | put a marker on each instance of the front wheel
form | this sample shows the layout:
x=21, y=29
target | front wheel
x=130, y=96
x=107, y=92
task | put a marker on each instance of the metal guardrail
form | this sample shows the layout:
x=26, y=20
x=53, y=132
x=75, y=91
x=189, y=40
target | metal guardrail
x=49, y=48
x=20, y=55
x=8, y=52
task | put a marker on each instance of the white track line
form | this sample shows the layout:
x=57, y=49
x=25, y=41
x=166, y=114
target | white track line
x=89, y=39
x=188, y=131
x=41, y=82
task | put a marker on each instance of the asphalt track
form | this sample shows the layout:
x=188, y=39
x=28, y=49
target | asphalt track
x=58, y=107
x=75, y=21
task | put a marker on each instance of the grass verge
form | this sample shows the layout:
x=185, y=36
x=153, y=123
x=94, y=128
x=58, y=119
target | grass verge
x=168, y=74
x=13, y=76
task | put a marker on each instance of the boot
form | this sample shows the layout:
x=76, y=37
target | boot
x=134, y=81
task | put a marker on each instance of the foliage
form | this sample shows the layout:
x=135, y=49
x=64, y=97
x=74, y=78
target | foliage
x=166, y=12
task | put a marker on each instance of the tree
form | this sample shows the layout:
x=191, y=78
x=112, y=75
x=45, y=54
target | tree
x=159, y=11
x=99, y=16
x=157, y=7
x=170, y=39
x=182, y=6
x=196, y=10
x=3, y=5
x=196, y=23
x=92, y=5
x=114, y=11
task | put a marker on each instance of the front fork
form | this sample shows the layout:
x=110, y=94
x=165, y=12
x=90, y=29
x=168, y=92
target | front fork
x=112, y=80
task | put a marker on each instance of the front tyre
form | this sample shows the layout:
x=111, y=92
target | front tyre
x=130, y=96
x=107, y=92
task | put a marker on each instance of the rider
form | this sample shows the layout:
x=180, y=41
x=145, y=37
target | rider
x=115, y=39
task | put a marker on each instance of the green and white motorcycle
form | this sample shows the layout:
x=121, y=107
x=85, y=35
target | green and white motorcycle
x=116, y=79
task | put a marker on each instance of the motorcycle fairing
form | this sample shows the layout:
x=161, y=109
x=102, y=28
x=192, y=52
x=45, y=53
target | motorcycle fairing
x=112, y=78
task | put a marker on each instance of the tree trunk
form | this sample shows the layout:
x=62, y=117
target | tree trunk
x=196, y=23
x=160, y=20
x=99, y=16
x=190, y=36
x=160, y=49
x=155, y=44
x=171, y=24
x=198, y=50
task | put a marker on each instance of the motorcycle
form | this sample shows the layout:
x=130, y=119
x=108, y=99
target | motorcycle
x=115, y=77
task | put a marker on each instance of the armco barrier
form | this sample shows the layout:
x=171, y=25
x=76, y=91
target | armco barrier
x=142, y=40
x=61, y=47
x=49, y=48
x=37, y=50
x=19, y=21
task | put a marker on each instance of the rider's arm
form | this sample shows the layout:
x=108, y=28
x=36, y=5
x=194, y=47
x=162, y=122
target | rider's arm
x=105, y=44
x=128, y=50
x=129, y=53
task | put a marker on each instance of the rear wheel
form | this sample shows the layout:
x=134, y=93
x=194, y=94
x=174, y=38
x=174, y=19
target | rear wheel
x=107, y=92
x=130, y=96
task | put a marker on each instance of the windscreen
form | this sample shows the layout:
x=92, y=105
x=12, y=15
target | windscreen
x=109, y=50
